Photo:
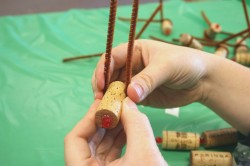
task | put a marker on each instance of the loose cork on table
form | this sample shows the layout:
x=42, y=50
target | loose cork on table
x=221, y=137
x=180, y=140
x=210, y=158
x=109, y=110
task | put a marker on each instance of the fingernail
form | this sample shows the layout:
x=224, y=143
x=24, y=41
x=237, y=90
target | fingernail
x=138, y=89
x=128, y=103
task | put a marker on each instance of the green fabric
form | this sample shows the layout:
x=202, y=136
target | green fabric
x=41, y=98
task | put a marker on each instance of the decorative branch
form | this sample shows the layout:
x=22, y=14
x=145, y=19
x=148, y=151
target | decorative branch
x=138, y=19
x=233, y=36
x=206, y=18
x=148, y=21
x=161, y=40
x=161, y=11
x=246, y=13
x=81, y=57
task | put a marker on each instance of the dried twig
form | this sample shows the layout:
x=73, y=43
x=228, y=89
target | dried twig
x=81, y=57
x=148, y=21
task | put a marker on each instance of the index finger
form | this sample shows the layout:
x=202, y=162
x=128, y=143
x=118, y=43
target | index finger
x=76, y=142
x=118, y=62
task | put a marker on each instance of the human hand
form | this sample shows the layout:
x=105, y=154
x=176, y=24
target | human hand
x=164, y=75
x=88, y=145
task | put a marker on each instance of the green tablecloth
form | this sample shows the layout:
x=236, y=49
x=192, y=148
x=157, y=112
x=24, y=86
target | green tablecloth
x=41, y=98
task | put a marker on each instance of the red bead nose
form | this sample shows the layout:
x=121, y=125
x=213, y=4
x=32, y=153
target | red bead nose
x=217, y=26
x=106, y=121
x=158, y=140
x=167, y=31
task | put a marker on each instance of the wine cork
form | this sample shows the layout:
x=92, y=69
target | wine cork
x=241, y=47
x=167, y=26
x=221, y=137
x=189, y=41
x=109, y=110
x=222, y=51
x=212, y=31
x=210, y=158
x=180, y=140
x=243, y=58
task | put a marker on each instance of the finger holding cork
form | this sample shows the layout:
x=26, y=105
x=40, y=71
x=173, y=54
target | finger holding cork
x=109, y=110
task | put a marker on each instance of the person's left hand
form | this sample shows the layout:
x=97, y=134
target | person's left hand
x=88, y=145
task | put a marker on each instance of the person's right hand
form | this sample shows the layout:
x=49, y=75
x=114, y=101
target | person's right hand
x=88, y=145
x=164, y=75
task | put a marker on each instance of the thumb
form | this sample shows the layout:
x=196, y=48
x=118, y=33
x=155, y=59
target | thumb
x=137, y=127
x=145, y=82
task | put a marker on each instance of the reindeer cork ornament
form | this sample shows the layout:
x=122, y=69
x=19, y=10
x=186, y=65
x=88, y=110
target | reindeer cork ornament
x=243, y=58
x=109, y=110
x=180, y=140
x=189, y=41
x=241, y=46
x=212, y=31
x=214, y=28
x=222, y=51
x=167, y=26
x=210, y=158
x=242, y=54
x=221, y=137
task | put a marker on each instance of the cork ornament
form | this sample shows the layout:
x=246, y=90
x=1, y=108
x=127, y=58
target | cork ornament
x=241, y=46
x=214, y=28
x=242, y=58
x=167, y=26
x=180, y=140
x=210, y=158
x=222, y=51
x=221, y=137
x=212, y=31
x=109, y=110
x=189, y=41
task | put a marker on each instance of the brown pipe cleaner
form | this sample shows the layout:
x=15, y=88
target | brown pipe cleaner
x=131, y=42
x=111, y=27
